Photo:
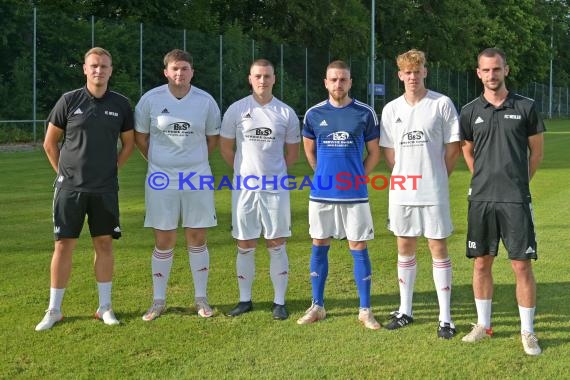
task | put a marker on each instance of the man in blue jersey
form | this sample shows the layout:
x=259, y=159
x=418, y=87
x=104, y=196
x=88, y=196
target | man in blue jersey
x=335, y=133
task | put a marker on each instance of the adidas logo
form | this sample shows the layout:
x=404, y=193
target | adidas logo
x=117, y=229
x=478, y=120
x=78, y=112
x=56, y=229
x=398, y=120
x=529, y=250
x=324, y=123
x=165, y=111
x=247, y=116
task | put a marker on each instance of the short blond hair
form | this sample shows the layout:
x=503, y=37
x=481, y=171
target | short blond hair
x=412, y=58
x=98, y=51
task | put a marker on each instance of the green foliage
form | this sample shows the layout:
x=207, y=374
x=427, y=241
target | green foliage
x=450, y=32
x=13, y=135
x=180, y=345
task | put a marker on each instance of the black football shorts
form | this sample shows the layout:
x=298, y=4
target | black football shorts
x=71, y=207
x=491, y=222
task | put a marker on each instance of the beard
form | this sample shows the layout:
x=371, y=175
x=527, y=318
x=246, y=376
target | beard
x=497, y=84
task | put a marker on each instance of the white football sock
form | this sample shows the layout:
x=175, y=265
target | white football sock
x=279, y=272
x=200, y=268
x=245, y=265
x=442, y=280
x=104, y=293
x=527, y=318
x=407, y=269
x=161, y=266
x=55, y=298
x=483, y=312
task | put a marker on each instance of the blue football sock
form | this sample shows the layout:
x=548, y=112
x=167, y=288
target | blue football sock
x=362, y=275
x=319, y=268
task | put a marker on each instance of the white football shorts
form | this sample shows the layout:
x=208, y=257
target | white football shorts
x=432, y=222
x=165, y=208
x=352, y=221
x=254, y=211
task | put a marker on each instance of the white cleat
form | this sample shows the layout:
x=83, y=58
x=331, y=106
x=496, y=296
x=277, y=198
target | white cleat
x=105, y=313
x=530, y=343
x=51, y=318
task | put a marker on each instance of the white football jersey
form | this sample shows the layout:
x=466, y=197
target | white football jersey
x=418, y=134
x=261, y=133
x=178, y=130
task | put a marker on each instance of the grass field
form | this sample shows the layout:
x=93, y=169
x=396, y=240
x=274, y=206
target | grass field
x=182, y=345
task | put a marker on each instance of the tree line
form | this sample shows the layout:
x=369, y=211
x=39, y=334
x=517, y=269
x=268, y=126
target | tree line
x=450, y=32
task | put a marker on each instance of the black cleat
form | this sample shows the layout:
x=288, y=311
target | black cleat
x=280, y=312
x=398, y=320
x=445, y=331
x=242, y=307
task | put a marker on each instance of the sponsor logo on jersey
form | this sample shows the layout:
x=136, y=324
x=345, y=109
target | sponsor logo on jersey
x=324, y=123
x=262, y=134
x=112, y=113
x=78, y=112
x=413, y=138
x=338, y=136
x=479, y=120
x=513, y=117
x=180, y=126
x=165, y=111
x=263, y=131
x=60, y=179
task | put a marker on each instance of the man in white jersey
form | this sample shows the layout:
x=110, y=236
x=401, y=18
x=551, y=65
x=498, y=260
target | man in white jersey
x=177, y=127
x=266, y=134
x=419, y=133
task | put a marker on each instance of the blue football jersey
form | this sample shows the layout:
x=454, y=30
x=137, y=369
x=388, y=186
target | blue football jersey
x=340, y=136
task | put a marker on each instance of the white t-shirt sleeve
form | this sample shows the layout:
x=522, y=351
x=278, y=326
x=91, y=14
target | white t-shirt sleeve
x=142, y=116
x=386, y=139
x=228, y=129
x=450, y=122
x=213, y=119
x=293, y=133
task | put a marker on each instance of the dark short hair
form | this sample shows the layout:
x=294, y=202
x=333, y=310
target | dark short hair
x=262, y=62
x=178, y=55
x=338, y=64
x=491, y=52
